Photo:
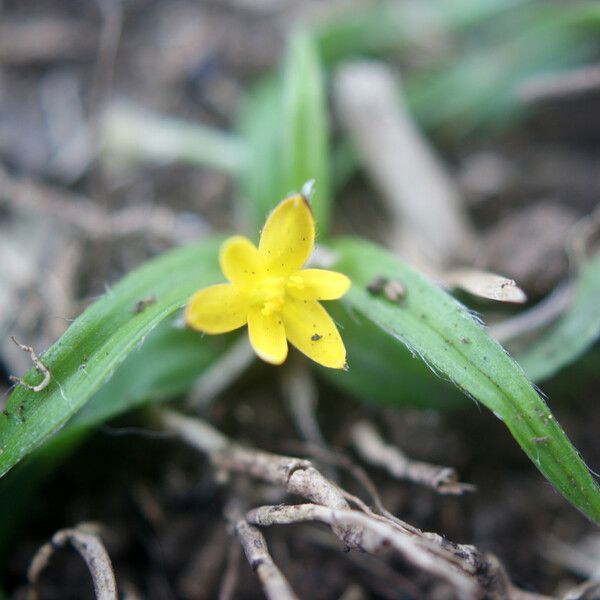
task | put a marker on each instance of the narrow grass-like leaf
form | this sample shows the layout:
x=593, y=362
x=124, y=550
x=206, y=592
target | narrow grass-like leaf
x=284, y=122
x=437, y=328
x=90, y=351
x=576, y=331
x=305, y=125
x=136, y=135
x=479, y=88
x=261, y=182
x=378, y=28
x=383, y=371
x=167, y=364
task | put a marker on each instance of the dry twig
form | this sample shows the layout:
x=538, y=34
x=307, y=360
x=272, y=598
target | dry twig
x=254, y=544
x=471, y=573
x=38, y=364
x=558, y=86
x=431, y=224
x=301, y=396
x=221, y=374
x=36, y=200
x=297, y=476
x=230, y=577
x=84, y=538
x=338, y=459
x=368, y=443
x=375, y=537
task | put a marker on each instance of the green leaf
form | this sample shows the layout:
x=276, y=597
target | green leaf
x=576, y=331
x=305, y=125
x=88, y=354
x=284, y=123
x=382, y=370
x=377, y=28
x=167, y=364
x=133, y=134
x=431, y=324
x=478, y=88
x=261, y=182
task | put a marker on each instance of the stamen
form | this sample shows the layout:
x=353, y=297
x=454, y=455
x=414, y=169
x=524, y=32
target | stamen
x=296, y=282
x=271, y=306
x=270, y=295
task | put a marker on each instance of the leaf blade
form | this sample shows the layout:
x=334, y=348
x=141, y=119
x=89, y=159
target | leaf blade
x=436, y=327
x=305, y=131
x=284, y=122
x=85, y=357
x=570, y=337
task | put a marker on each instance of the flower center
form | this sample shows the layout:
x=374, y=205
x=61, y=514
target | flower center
x=269, y=294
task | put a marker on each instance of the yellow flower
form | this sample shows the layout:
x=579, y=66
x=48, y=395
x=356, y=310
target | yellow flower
x=271, y=292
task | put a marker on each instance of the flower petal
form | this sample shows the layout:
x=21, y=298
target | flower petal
x=313, y=332
x=318, y=284
x=239, y=260
x=288, y=236
x=267, y=336
x=217, y=309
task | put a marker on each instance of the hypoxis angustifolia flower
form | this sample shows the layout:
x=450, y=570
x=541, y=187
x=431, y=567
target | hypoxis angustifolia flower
x=269, y=290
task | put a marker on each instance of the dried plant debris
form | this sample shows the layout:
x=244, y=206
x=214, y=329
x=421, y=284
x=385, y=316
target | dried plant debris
x=469, y=572
x=485, y=285
x=529, y=246
x=39, y=366
x=274, y=584
x=141, y=305
x=391, y=289
x=371, y=447
x=85, y=539
x=430, y=220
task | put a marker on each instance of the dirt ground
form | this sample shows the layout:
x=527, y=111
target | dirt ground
x=160, y=504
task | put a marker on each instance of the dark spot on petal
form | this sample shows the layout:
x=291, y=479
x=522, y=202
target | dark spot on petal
x=315, y=337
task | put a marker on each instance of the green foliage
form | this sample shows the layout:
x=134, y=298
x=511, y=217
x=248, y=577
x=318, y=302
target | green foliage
x=305, y=125
x=166, y=364
x=284, y=122
x=88, y=354
x=432, y=325
x=261, y=182
x=385, y=27
x=383, y=371
x=573, y=334
x=479, y=89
